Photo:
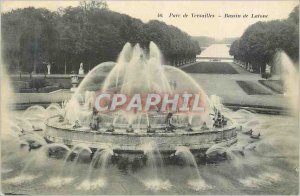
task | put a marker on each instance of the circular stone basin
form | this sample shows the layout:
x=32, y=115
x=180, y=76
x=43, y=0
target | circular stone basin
x=141, y=72
x=121, y=141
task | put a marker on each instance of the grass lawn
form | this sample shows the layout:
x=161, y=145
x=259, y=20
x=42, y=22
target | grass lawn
x=252, y=88
x=211, y=67
x=274, y=85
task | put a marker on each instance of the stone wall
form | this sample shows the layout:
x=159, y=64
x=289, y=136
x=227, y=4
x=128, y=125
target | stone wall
x=135, y=141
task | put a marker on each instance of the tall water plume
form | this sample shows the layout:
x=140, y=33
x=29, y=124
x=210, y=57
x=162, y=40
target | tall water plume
x=155, y=176
x=101, y=157
x=138, y=72
x=290, y=77
x=196, y=182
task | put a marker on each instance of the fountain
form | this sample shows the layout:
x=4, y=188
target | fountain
x=196, y=182
x=92, y=141
x=155, y=177
x=64, y=175
x=139, y=81
x=91, y=181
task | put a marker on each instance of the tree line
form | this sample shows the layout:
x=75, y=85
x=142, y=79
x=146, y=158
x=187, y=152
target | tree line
x=260, y=42
x=89, y=33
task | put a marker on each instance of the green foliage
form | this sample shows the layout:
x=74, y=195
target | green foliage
x=89, y=33
x=266, y=75
x=174, y=44
x=37, y=83
x=262, y=40
x=28, y=38
x=294, y=15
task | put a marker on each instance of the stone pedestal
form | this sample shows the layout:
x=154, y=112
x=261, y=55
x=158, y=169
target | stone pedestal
x=74, y=82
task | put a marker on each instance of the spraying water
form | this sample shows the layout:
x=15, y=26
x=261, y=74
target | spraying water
x=290, y=77
x=136, y=72
x=62, y=178
x=92, y=182
x=155, y=179
x=271, y=147
x=196, y=182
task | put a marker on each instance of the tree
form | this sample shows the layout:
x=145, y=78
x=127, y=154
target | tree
x=29, y=38
x=260, y=41
x=294, y=15
x=93, y=4
x=89, y=33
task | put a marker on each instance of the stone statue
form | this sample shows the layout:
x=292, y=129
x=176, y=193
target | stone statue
x=268, y=69
x=204, y=127
x=81, y=70
x=130, y=129
x=110, y=129
x=95, y=120
x=149, y=130
x=189, y=128
x=170, y=127
x=76, y=125
x=49, y=68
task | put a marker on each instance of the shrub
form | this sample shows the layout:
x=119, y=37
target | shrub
x=266, y=75
x=37, y=83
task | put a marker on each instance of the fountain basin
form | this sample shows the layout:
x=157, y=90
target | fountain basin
x=123, y=142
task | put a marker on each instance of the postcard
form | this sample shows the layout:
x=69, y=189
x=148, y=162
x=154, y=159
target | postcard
x=103, y=97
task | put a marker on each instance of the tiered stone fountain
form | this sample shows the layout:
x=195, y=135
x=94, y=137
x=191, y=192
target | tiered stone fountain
x=127, y=132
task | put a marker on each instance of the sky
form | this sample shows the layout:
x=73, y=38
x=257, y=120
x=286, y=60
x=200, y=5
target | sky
x=218, y=27
x=216, y=51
